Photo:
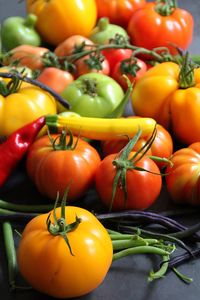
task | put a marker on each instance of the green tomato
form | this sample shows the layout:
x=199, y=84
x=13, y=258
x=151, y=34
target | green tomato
x=104, y=31
x=16, y=31
x=93, y=95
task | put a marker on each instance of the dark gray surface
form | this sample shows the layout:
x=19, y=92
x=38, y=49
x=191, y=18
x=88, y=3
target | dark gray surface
x=127, y=278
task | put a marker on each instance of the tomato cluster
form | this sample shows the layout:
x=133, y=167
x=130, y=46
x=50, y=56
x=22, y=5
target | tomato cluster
x=94, y=56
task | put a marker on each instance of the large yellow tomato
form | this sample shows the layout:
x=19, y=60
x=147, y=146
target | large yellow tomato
x=59, y=19
x=22, y=105
x=67, y=258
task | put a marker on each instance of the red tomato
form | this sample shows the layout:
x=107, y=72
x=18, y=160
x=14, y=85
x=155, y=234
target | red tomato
x=162, y=145
x=115, y=55
x=183, y=178
x=52, y=170
x=118, y=11
x=55, y=78
x=142, y=187
x=150, y=29
x=132, y=69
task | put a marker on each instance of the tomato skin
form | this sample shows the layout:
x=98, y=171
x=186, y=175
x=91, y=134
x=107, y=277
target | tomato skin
x=67, y=167
x=117, y=73
x=158, y=94
x=143, y=188
x=118, y=11
x=54, y=26
x=55, y=78
x=46, y=263
x=27, y=55
x=183, y=178
x=68, y=46
x=82, y=67
x=105, y=97
x=149, y=29
x=113, y=56
x=162, y=145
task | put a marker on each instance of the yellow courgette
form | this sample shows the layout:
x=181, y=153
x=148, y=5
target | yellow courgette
x=102, y=128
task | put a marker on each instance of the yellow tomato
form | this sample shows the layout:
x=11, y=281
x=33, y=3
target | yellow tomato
x=51, y=266
x=59, y=19
x=23, y=106
x=173, y=100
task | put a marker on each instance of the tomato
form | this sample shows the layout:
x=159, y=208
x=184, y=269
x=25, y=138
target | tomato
x=55, y=78
x=23, y=105
x=183, y=178
x=116, y=55
x=53, y=168
x=46, y=263
x=70, y=44
x=83, y=67
x=162, y=145
x=93, y=95
x=60, y=19
x=132, y=68
x=128, y=179
x=150, y=27
x=118, y=11
x=27, y=55
x=170, y=94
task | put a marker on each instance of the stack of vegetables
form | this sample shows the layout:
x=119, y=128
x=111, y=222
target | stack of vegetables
x=88, y=102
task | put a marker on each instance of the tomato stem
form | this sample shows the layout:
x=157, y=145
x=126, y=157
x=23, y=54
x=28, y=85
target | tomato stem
x=165, y=7
x=59, y=226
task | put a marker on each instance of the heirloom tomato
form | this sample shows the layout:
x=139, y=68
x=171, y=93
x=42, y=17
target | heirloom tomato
x=161, y=25
x=183, y=178
x=22, y=105
x=93, y=95
x=59, y=19
x=170, y=94
x=55, y=78
x=67, y=259
x=57, y=162
x=26, y=55
x=118, y=11
x=162, y=145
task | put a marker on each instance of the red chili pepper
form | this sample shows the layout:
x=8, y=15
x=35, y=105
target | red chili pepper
x=16, y=145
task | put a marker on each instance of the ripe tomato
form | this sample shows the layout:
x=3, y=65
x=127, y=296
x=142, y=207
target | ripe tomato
x=142, y=187
x=133, y=69
x=115, y=55
x=183, y=178
x=55, y=78
x=69, y=45
x=149, y=27
x=118, y=11
x=82, y=67
x=52, y=169
x=162, y=145
x=59, y=19
x=45, y=260
x=27, y=55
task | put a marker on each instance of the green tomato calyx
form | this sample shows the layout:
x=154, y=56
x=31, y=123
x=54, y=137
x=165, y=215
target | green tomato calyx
x=89, y=87
x=59, y=226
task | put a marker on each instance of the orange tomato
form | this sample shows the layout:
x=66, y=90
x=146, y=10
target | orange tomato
x=55, y=78
x=59, y=19
x=45, y=260
x=27, y=55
